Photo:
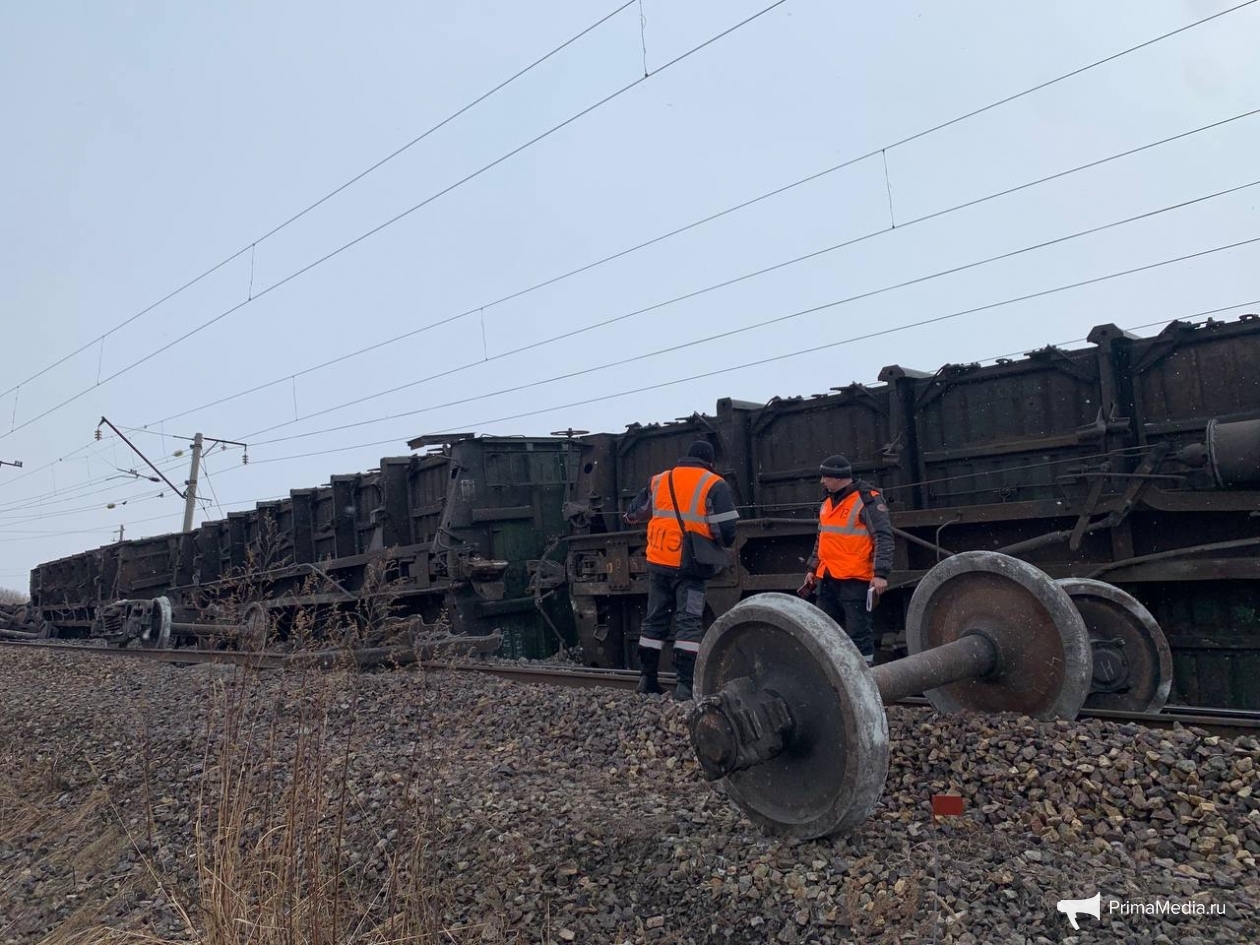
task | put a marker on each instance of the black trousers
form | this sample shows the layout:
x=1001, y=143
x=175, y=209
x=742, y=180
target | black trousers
x=844, y=601
x=677, y=595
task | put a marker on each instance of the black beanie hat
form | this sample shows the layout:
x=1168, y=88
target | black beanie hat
x=836, y=466
x=701, y=450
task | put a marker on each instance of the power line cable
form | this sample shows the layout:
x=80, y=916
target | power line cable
x=719, y=285
x=880, y=152
x=851, y=340
x=71, y=493
x=31, y=472
x=205, y=470
x=941, y=479
x=1059, y=344
x=829, y=170
x=763, y=361
x=395, y=219
x=1127, y=450
x=1076, y=72
x=74, y=491
x=250, y=247
x=121, y=501
x=92, y=531
x=624, y=89
x=782, y=318
x=477, y=101
x=79, y=496
x=104, y=447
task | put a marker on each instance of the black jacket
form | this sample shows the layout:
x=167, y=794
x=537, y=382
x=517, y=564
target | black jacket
x=877, y=521
x=719, y=504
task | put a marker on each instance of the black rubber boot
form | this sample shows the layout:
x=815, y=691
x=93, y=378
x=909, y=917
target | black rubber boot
x=685, y=667
x=650, y=661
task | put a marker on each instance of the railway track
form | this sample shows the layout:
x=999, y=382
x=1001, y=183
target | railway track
x=364, y=658
x=1219, y=721
x=1226, y=722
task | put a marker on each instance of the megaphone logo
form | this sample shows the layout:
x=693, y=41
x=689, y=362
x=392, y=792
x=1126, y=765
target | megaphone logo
x=1074, y=907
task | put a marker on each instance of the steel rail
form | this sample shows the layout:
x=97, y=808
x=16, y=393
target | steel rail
x=1219, y=721
x=362, y=658
x=1230, y=722
x=188, y=656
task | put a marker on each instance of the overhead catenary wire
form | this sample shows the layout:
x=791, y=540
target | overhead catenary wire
x=130, y=499
x=917, y=135
x=800, y=353
x=77, y=490
x=397, y=218
x=7, y=481
x=74, y=493
x=205, y=471
x=252, y=245
x=93, y=531
x=70, y=493
x=973, y=474
x=775, y=358
x=880, y=152
x=1076, y=458
x=807, y=311
x=844, y=244
x=855, y=338
x=1109, y=58
x=940, y=479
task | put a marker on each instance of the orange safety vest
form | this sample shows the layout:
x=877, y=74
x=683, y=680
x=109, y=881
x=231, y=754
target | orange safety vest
x=691, y=485
x=846, y=549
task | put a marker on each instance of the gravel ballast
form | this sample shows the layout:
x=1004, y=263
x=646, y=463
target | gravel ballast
x=545, y=814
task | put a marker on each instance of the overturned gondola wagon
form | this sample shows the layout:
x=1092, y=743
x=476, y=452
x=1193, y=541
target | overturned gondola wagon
x=1132, y=463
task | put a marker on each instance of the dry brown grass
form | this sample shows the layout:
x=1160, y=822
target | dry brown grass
x=273, y=861
x=36, y=801
x=24, y=784
x=280, y=844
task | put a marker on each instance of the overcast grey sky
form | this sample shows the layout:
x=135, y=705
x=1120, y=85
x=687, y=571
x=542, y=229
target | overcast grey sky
x=146, y=142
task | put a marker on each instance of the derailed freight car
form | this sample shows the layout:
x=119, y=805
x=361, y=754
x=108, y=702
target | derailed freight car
x=453, y=539
x=1133, y=460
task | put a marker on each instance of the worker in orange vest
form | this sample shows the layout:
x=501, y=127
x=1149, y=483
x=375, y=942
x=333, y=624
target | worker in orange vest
x=689, y=497
x=853, y=553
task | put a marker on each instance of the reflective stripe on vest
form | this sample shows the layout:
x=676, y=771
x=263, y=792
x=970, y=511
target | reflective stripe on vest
x=692, y=486
x=846, y=549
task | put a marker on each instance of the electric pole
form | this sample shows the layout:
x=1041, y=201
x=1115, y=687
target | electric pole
x=16, y=462
x=190, y=493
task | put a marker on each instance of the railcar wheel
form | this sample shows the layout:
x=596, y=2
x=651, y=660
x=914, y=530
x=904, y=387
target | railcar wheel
x=1133, y=667
x=1047, y=662
x=777, y=654
x=156, y=632
x=255, y=628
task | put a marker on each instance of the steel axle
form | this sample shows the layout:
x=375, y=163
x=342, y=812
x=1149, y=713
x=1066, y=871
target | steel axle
x=792, y=721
